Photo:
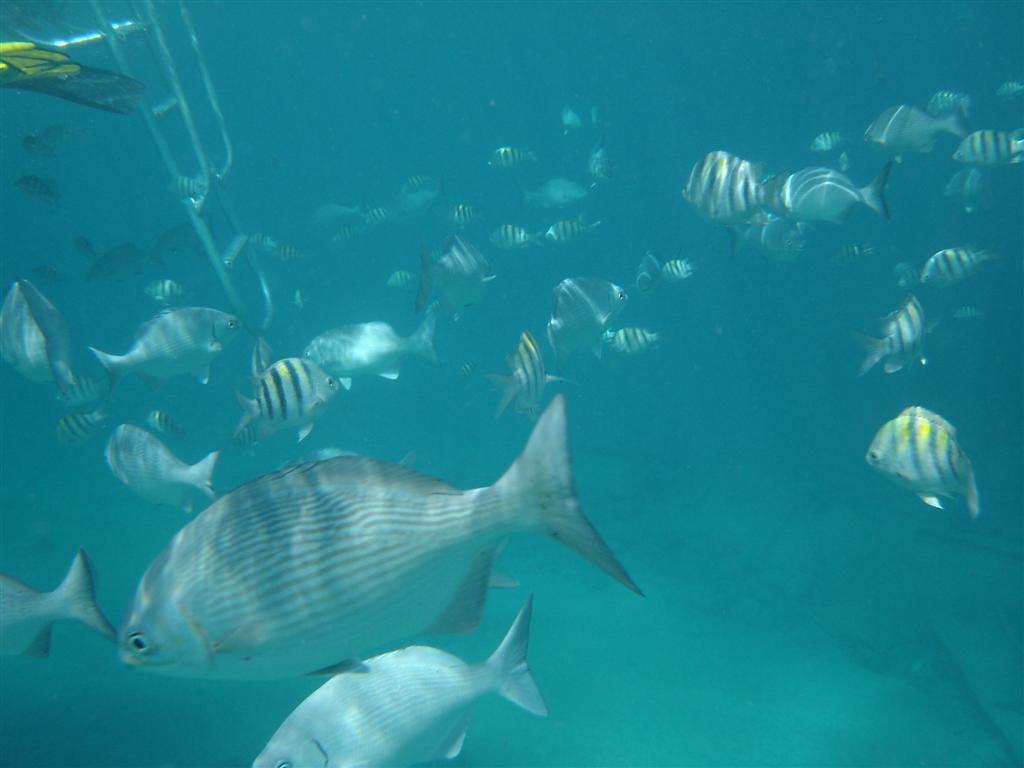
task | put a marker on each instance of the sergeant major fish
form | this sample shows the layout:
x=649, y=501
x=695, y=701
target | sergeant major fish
x=953, y=265
x=827, y=141
x=725, y=189
x=370, y=349
x=991, y=148
x=508, y=157
x=305, y=568
x=403, y=708
x=525, y=384
x=567, y=230
x=147, y=466
x=631, y=341
x=512, y=236
x=27, y=615
x=919, y=451
x=77, y=427
x=902, y=341
x=290, y=393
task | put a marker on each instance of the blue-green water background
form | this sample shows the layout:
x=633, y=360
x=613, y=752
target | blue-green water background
x=799, y=609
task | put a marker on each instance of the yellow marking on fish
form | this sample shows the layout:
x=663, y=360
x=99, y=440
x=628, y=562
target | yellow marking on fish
x=941, y=440
x=921, y=433
x=902, y=432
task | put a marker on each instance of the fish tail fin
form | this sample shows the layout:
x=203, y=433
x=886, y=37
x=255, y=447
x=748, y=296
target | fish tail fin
x=112, y=364
x=250, y=411
x=511, y=668
x=423, y=338
x=423, y=294
x=873, y=195
x=973, y=500
x=77, y=595
x=202, y=473
x=539, y=484
x=956, y=121
x=875, y=348
x=509, y=390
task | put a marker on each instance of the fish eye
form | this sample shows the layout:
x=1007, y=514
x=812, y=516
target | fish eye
x=332, y=383
x=622, y=295
x=232, y=324
x=138, y=643
x=282, y=764
x=873, y=456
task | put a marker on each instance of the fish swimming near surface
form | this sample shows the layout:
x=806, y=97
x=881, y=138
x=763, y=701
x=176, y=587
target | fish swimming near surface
x=403, y=708
x=525, y=384
x=370, y=349
x=902, y=341
x=724, y=188
x=175, y=342
x=919, y=451
x=557, y=193
x=991, y=148
x=290, y=393
x=825, y=194
x=459, y=277
x=905, y=128
x=147, y=466
x=306, y=569
x=582, y=307
x=27, y=615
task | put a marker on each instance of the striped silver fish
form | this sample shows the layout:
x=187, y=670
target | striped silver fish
x=462, y=214
x=953, y=265
x=508, y=157
x=78, y=427
x=164, y=291
x=989, y=148
x=567, y=230
x=512, y=236
x=908, y=129
x=525, y=385
x=825, y=194
x=902, y=342
x=676, y=270
x=147, y=466
x=725, y=189
x=85, y=390
x=919, y=450
x=827, y=141
x=175, y=342
x=943, y=102
x=163, y=422
x=27, y=615
x=290, y=393
x=631, y=341
x=407, y=707
x=315, y=564
x=1009, y=89
x=458, y=277
x=400, y=279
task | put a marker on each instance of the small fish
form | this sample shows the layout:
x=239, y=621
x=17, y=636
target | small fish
x=567, y=230
x=852, y=253
x=991, y=148
x=725, y=189
x=508, y=157
x=287, y=252
x=38, y=187
x=1009, y=89
x=570, y=120
x=85, y=390
x=147, y=466
x=400, y=279
x=908, y=129
x=467, y=368
x=188, y=187
x=902, y=339
x=512, y=236
x=599, y=166
x=345, y=233
x=263, y=241
x=827, y=141
x=462, y=214
x=969, y=187
x=377, y=216
x=370, y=349
x=676, y=270
x=775, y=236
x=824, y=194
x=417, y=182
x=27, y=618
x=953, y=265
x=459, y=277
x=175, y=342
x=968, y=312
x=164, y=291
x=245, y=439
x=163, y=422
x=297, y=299
x=557, y=193
x=843, y=161
x=905, y=274
x=648, y=272
x=406, y=707
x=918, y=450
x=78, y=427
x=49, y=141
x=945, y=102
x=631, y=341
x=164, y=107
x=299, y=570
x=292, y=392
x=582, y=307
x=525, y=385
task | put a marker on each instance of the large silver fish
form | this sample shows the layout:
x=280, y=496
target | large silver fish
x=725, y=189
x=825, y=194
x=147, y=466
x=369, y=349
x=175, y=342
x=908, y=129
x=34, y=337
x=305, y=568
x=458, y=277
x=557, y=193
x=403, y=708
x=582, y=308
x=27, y=615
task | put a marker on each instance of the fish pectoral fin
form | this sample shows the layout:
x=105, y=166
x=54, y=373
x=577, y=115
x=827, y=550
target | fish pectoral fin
x=345, y=665
x=931, y=501
x=304, y=431
x=39, y=648
x=466, y=609
x=203, y=375
x=451, y=746
x=392, y=375
x=346, y=383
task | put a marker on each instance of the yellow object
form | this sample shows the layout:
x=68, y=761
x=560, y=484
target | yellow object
x=19, y=61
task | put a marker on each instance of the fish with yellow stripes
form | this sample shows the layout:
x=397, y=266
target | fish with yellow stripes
x=919, y=451
x=290, y=393
x=630, y=340
x=953, y=265
x=988, y=147
x=509, y=157
x=164, y=423
x=567, y=230
x=525, y=385
x=77, y=427
x=902, y=341
x=310, y=568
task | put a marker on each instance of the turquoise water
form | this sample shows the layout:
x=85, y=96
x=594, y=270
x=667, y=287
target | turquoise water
x=799, y=609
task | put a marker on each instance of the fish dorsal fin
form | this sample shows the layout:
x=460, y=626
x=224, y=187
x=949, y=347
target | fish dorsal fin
x=360, y=470
x=466, y=609
x=39, y=648
x=934, y=418
x=451, y=746
x=345, y=665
